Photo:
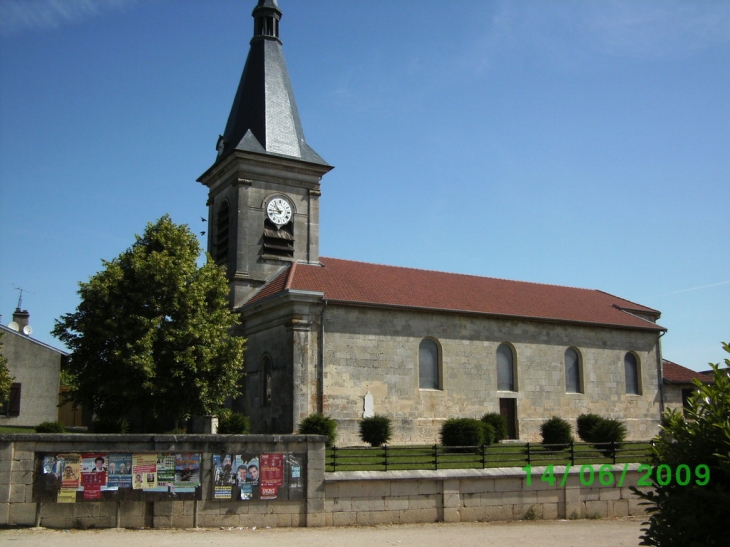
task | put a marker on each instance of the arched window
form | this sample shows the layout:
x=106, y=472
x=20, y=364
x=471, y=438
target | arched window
x=572, y=372
x=505, y=368
x=631, y=371
x=222, y=222
x=266, y=380
x=429, y=360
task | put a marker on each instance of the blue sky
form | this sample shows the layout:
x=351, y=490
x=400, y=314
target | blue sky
x=567, y=142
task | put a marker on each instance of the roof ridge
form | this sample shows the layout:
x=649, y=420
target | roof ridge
x=468, y=275
x=290, y=276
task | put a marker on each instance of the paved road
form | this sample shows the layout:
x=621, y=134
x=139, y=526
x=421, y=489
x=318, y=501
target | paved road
x=560, y=533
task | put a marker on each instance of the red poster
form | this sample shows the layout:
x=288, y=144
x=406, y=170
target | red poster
x=269, y=492
x=272, y=470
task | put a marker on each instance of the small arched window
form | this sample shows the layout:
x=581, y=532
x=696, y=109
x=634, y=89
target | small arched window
x=631, y=371
x=266, y=380
x=222, y=224
x=429, y=360
x=573, y=374
x=505, y=368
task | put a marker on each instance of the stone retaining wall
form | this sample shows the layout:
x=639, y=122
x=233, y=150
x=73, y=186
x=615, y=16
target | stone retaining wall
x=326, y=499
x=464, y=495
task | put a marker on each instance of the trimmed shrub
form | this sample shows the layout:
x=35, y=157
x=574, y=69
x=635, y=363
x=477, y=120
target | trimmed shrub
x=586, y=422
x=462, y=432
x=232, y=423
x=556, y=431
x=109, y=425
x=608, y=431
x=376, y=431
x=319, y=424
x=498, y=423
x=50, y=427
x=489, y=433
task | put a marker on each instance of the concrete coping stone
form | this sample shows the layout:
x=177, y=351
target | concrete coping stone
x=159, y=438
x=441, y=474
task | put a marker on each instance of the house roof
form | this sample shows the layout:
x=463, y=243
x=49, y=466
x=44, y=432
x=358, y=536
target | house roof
x=12, y=332
x=350, y=282
x=677, y=374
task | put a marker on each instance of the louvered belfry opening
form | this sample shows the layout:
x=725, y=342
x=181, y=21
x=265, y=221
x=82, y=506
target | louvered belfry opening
x=279, y=242
x=222, y=225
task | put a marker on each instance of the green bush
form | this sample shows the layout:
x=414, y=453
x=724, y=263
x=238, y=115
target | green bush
x=608, y=431
x=50, y=427
x=376, y=431
x=556, y=431
x=694, y=513
x=498, y=423
x=586, y=422
x=319, y=424
x=464, y=432
x=109, y=425
x=489, y=433
x=232, y=423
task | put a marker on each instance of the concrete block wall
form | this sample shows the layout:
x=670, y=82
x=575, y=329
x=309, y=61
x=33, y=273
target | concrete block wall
x=330, y=499
x=401, y=497
x=18, y=457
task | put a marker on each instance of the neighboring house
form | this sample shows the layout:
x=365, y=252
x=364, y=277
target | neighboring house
x=678, y=384
x=350, y=339
x=36, y=371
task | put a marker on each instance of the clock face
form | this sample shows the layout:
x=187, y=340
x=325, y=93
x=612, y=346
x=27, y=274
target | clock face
x=279, y=211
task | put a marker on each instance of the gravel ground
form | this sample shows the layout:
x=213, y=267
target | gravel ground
x=553, y=533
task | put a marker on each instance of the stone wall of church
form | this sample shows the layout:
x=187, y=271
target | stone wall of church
x=377, y=350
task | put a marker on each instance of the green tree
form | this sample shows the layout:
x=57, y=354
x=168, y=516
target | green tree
x=5, y=379
x=151, y=338
x=690, y=508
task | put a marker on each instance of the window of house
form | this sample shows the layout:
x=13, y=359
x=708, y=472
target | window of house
x=505, y=368
x=572, y=372
x=266, y=376
x=11, y=406
x=428, y=365
x=631, y=371
x=222, y=222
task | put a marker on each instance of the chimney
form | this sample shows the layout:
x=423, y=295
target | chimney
x=21, y=317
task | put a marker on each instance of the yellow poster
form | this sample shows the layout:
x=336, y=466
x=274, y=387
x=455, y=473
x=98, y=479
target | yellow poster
x=66, y=495
x=144, y=471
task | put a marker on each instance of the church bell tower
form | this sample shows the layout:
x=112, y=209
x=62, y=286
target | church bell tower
x=264, y=186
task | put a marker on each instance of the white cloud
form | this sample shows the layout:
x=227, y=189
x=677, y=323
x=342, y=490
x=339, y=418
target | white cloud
x=571, y=31
x=21, y=15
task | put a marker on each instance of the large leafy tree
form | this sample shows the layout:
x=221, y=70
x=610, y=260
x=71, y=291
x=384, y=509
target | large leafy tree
x=689, y=506
x=5, y=379
x=151, y=338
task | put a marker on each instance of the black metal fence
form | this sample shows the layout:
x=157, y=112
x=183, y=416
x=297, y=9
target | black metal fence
x=388, y=458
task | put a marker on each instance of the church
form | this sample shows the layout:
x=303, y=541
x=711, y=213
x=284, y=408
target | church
x=352, y=339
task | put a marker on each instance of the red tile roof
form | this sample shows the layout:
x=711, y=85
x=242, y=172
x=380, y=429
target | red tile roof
x=352, y=282
x=677, y=374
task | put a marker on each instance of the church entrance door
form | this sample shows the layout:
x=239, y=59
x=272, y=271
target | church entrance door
x=508, y=409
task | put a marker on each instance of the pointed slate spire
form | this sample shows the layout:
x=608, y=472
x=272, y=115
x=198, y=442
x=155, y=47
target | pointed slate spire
x=264, y=116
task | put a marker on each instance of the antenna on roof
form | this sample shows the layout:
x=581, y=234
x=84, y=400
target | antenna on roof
x=20, y=296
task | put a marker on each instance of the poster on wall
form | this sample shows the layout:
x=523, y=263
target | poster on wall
x=187, y=472
x=144, y=471
x=271, y=475
x=165, y=473
x=93, y=474
x=223, y=478
x=119, y=472
x=69, y=467
x=247, y=476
